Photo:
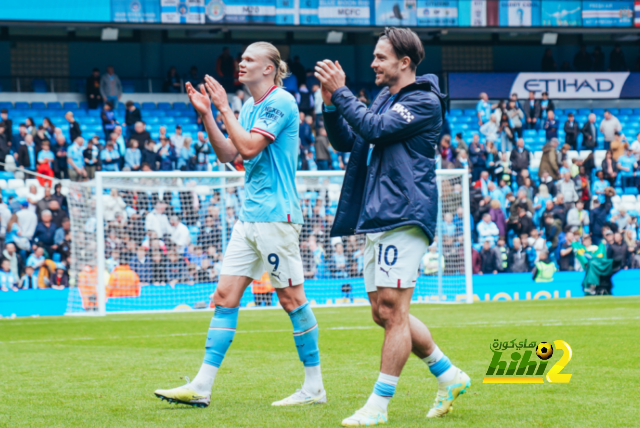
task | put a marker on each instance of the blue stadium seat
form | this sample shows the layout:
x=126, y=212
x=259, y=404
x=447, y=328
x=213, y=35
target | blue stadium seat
x=155, y=113
x=182, y=120
x=151, y=127
x=179, y=106
x=190, y=113
x=584, y=111
x=454, y=119
x=154, y=135
x=614, y=111
x=619, y=190
x=626, y=111
x=582, y=119
x=90, y=120
x=630, y=191
x=528, y=133
x=149, y=106
x=151, y=119
x=79, y=113
x=190, y=128
x=570, y=110
x=168, y=120
x=6, y=104
x=542, y=140
x=470, y=112
x=453, y=112
x=94, y=113
x=467, y=119
x=164, y=106
x=558, y=112
x=84, y=105
x=21, y=105
x=36, y=105
x=58, y=120
x=623, y=118
x=194, y=231
x=636, y=111
x=55, y=105
x=69, y=105
x=598, y=111
x=529, y=140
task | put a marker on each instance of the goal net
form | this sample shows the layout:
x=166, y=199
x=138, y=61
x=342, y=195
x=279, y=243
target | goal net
x=156, y=241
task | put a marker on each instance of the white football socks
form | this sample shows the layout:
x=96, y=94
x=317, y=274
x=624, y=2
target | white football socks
x=436, y=356
x=313, y=380
x=379, y=401
x=203, y=382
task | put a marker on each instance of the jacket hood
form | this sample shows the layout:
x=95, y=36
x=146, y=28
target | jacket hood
x=433, y=80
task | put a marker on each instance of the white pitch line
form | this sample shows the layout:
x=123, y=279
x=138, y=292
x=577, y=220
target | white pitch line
x=574, y=322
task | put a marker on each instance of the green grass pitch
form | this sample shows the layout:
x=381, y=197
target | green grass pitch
x=101, y=372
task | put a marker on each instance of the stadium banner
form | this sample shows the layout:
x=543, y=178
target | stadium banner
x=478, y=13
x=562, y=13
x=288, y=12
x=397, y=14
x=135, y=11
x=636, y=13
x=309, y=12
x=559, y=85
x=437, y=13
x=182, y=11
x=519, y=13
x=65, y=10
x=344, y=12
x=244, y=11
x=611, y=13
x=331, y=292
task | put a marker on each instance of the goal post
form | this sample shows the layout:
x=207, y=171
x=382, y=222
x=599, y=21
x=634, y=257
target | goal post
x=154, y=241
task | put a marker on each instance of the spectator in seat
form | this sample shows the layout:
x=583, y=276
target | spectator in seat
x=7, y=280
x=45, y=161
x=610, y=168
x=60, y=167
x=518, y=259
x=91, y=155
x=546, y=105
x=483, y=109
x=141, y=265
x=552, y=229
x=202, y=149
x=487, y=230
x=567, y=187
x=57, y=214
x=140, y=133
x=173, y=82
x=298, y=70
x=123, y=282
x=59, y=280
x=551, y=126
x=531, y=109
x=490, y=129
x=226, y=67
x=618, y=146
x=618, y=252
x=167, y=155
x=177, y=139
x=516, y=116
x=157, y=221
x=339, y=261
x=92, y=90
x=74, y=126
x=497, y=217
x=109, y=121
x=8, y=124
x=549, y=162
x=627, y=165
x=18, y=138
x=590, y=134
x=305, y=100
x=177, y=269
x=578, y=218
x=462, y=161
x=582, y=60
x=131, y=117
x=37, y=260
x=490, y=259
x=609, y=126
x=571, y=129
x=149, y=156
x=26, y=155
x=323, y=150
x=62, y=200
x=238, y=100
x=544, y=268
x=548, y=63
x=180, y=234
x=111, y=87
x=28, y=281
x=520, y=158
x=5, y=144
x=477, y=156
x=132, y=157
x=109, y=158
x=44, y=234
x=616, y=59
x=16, y=262
x=61, y=232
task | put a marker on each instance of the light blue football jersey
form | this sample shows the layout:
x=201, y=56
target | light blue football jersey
x=270, y=188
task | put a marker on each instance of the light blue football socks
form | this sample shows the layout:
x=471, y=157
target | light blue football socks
x=221, y=333
x=305, y=336
x=383, y=390
x=440, y=365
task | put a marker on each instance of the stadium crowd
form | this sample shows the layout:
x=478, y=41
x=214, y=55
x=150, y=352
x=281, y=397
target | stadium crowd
x=524, y=216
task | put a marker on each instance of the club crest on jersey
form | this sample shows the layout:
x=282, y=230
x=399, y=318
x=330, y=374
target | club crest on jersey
x=402, y=111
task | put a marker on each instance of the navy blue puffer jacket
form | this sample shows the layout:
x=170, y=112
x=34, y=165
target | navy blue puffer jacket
x=398, y=187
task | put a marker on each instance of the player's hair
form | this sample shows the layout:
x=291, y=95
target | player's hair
x=405, y=43
x=273, y=55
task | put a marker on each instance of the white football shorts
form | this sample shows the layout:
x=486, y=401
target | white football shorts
x=392, y=258
x=258, y=247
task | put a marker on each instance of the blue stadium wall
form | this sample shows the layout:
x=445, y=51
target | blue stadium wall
x=322, y=292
